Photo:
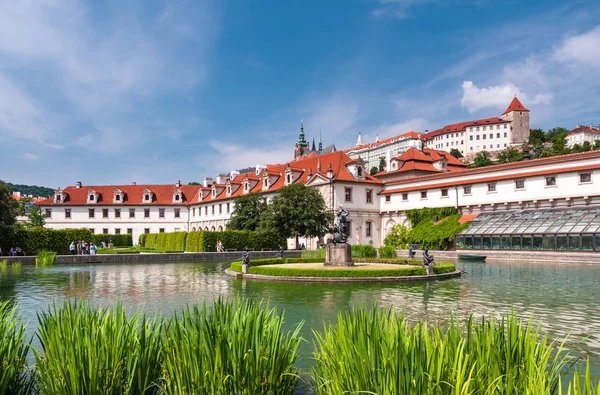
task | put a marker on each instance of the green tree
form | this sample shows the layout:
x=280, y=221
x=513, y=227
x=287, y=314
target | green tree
x=247, y=212
x=33, y=190
x=482, y=158
x=456, y=153
x=194, y=183
x=374, y=170
x=381, y=164
x=510, y=155
x=296, y=211
x=398, y=237
x=554, y=133
x=597, y=144
x=37, y=218
x=577, y=148
x=536, y=136
x=8, y=216
x=586, y=146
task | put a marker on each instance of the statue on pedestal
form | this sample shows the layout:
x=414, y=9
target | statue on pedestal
x=245, y=260
x=340, y=228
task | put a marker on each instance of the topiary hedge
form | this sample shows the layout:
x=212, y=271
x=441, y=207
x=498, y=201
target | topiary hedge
x=57, y=240
x=204, y=241
x=123, y=240
x=236, y=266
x=363, y=251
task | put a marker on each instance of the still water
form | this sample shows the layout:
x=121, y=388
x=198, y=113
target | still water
x=565, y=298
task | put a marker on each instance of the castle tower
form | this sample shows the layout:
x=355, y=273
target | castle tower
x=320, y=141
x=518, y=115
x=301, y=144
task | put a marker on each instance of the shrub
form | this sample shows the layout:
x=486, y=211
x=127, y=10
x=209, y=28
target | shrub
x=87, y=350
x=45, y=258
x=432, y=236
x=142, y=240
x=397, y=237
x=377, y=351
x=349, y=273
x=151, y=240
x=13, y=351
x=58, y=240
x=230, y=348
x=387, y=252
x=363, y=251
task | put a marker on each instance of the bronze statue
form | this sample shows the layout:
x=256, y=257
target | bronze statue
x=427, y=261
x=340, y=229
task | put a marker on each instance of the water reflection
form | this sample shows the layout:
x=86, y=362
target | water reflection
x=564, y=297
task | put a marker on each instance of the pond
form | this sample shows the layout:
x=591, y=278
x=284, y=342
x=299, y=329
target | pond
x=564, y=297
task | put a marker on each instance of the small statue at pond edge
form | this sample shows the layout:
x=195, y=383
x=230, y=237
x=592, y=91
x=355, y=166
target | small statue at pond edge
x=427, y=261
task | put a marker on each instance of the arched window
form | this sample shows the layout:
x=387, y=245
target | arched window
x=359, y=171
x=147, y=197
x=220, y=228
x=289, y=179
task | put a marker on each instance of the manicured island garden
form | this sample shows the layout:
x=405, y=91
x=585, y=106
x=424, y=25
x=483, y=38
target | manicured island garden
x=242, y=347
x=364, y=267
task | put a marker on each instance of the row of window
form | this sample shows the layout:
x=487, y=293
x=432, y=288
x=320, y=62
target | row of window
x=212, y=208
x=550, y=181
x=116, y=231
x=483, y=136
x=491, y=127
x=549, y=242
x=348, y=195
x=117, y=213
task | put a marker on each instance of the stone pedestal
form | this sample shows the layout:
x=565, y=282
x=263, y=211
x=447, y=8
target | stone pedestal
x=338, y=255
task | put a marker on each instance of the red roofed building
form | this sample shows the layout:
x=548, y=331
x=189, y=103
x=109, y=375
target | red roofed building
x=414, y=162
x=372, y=153
x=583, y=133
x=487, y=134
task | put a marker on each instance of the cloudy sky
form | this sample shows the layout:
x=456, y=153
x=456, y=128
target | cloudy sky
x=153, y=91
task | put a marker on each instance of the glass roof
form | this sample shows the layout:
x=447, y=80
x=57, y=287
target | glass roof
x=536, y=221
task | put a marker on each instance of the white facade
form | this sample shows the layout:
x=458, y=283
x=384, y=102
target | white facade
x=583, y=133
x=474, y=139
x=371, y=154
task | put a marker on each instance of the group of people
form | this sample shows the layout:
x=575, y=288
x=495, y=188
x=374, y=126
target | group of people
x=82, y=248
x=14, y=251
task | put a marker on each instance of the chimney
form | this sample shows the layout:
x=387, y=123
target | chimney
x=590, y=125
x=78, y=185
x=177, y=184
x=207, y=182
x=133, y=183
x=578, y=126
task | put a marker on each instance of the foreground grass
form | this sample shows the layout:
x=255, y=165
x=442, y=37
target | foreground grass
x=13, y=351
x=45, y=258
x=377, y=352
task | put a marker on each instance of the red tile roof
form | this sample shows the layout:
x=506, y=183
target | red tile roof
x=584, y=129
x=470, y=181
x=17, y=196
x=505, y=166
x=462, y=126
x=415, y=159
x=163, y=195
x=515, y=105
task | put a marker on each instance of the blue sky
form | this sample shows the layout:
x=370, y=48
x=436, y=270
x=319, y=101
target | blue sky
x=110, y=92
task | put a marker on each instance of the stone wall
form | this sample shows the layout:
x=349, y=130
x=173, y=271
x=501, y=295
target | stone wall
x=509, y=255
x=151, y=258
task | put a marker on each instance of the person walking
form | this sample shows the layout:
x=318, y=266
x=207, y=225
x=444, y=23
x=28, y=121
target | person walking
x=92, y=249
x=72, y=248
x=79, y=247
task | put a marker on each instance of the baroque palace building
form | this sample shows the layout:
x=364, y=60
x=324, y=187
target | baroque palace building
x=415, y=178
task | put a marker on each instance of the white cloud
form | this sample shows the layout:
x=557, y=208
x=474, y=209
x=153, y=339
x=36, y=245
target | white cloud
x=28, y=156
x=475, y=98
x=583, y=49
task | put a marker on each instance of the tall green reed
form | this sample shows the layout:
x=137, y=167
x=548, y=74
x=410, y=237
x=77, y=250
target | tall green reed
x=377, y=351
x=45, y=258
x=13, y=351
x=230, y=348
x=90, y=351
x=3, y=264
x=583, y=386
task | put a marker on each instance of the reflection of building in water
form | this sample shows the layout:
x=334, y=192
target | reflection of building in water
x=144, y=282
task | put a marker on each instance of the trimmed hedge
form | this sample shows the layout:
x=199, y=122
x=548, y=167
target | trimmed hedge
x=57, y=240
x=123, y=240
x=263, y=266
x=204, y=241
x=363, y=251
x=387, y=252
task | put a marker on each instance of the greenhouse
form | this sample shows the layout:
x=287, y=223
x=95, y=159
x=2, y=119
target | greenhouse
x=553, y=229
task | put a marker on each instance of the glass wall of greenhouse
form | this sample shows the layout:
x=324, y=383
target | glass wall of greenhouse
x=553, y=229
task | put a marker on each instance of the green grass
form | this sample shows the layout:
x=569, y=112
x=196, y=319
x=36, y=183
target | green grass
x=3, y=264
x=320, y=253
x=13, y=352
x=45, y=258
x=377, y=352
x=232, y=348
x=87, y=350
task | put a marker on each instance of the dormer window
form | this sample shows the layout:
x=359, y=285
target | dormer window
x=91, y=198
x=118, y=198
x=266, y=182
x=288, y=179
x=59, y=196
x=229, y=190
x=148, y=196
x=177, y=198
x=58, y=199
x=214, y=193
x=246, y=186
x=359, y=171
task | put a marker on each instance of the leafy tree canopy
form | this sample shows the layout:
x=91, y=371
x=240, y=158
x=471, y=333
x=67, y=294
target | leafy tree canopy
x=33, y=190
x=8, y=214
x=374, y=170
x=247, y=211
x=193, y=183
x=381, y=164
x=456, y=153
x=37, y=218
x=510, y=155
x=398, y=237
x=482, y=158
x=536, y=136
x=296, y=211
x=556, y=133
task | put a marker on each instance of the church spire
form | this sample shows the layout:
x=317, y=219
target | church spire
x=313, y=145
x=359, y=141
x=301, y=144
x=320, y=141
